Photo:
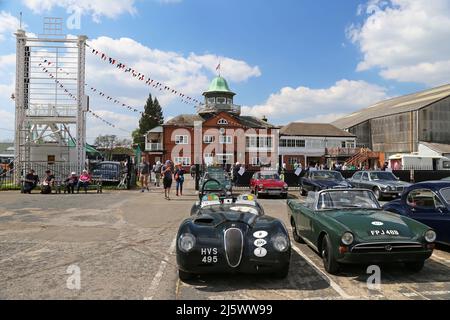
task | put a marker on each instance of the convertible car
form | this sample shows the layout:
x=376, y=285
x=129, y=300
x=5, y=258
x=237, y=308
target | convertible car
x=321, y=180
x=429, y=203
x=349, y=227
x=232, y=235
x=219, y=182
x=267, y=183
x=382, y=183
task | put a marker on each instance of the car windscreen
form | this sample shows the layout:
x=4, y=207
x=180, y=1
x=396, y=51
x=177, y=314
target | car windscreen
x=350, y=199
x=213, y=185
x=270, y=176
x=446, y=194
x=326, y=175
x=382, y=176
x=220, y=176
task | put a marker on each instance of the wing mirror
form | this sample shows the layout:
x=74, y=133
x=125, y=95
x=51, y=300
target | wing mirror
x=441, y=208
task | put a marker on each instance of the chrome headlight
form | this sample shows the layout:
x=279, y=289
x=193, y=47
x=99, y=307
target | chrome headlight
x=261, y=186
x=430, y=236
x=285, y=186
x=186, y=242
x=280, y=243
x=347, y=238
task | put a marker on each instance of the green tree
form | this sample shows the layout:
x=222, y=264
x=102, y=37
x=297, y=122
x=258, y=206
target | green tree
x=153, y=118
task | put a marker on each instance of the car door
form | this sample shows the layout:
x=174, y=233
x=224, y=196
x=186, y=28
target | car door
x=355, y=180
x=307, y=182
x=305, y=214
x=425, y=206
x=365, y=181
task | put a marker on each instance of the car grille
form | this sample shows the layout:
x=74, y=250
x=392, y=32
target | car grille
x=234, y=244
x=387, y=247
x=274, y=189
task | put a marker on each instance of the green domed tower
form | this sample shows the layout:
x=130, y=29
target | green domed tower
x=219, y=98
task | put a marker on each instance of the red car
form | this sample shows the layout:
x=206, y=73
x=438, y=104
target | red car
x=268, y=184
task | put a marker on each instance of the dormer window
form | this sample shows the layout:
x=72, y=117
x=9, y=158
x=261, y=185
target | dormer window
x=229, y=101
x=222, y=122
x=211, y=100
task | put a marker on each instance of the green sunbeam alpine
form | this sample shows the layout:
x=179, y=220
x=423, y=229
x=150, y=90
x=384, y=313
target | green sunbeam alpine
x=349, y=227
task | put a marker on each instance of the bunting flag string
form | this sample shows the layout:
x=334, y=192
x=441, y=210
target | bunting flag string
x=71, y=95
x=102, y=94
x=124, y=105
x=141, y=77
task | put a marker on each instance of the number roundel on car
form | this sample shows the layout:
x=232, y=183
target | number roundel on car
x=260, y=234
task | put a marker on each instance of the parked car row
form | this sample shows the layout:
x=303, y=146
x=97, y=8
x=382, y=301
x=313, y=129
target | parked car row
x=344, y=226
x=383, y=183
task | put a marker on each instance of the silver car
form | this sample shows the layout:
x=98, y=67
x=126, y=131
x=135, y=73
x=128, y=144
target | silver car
x=382, y=183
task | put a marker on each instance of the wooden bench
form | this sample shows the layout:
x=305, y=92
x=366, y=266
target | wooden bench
x=95, y=184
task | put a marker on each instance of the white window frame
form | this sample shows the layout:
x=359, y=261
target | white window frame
x=222, y=122
x=184, y=139
x=227, y=157
x=226, y=139
x=208, y=139
x=256, y=162
x=185, y=161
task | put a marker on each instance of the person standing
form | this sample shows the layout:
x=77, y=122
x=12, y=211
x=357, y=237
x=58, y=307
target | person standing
x=30, y=182
x=179, y=178
x=166, y=172
x=157, y=171
x=144, y=172
x=193, y=171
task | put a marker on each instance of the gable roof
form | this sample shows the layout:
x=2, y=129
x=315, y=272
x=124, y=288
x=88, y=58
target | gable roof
x=188, y=120
x=408, y=103
x=438, y=147
x=4, y=146
x=313, y=130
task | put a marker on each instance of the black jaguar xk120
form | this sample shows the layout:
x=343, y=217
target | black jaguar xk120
x=231, y=235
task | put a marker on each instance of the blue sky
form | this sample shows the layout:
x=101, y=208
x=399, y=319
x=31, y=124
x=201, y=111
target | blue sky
x=289, y=59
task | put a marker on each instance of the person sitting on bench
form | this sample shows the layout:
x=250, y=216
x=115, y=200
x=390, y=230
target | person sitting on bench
x=84, y=181
x=48, y=183
x=30, y=182
x=71, y=182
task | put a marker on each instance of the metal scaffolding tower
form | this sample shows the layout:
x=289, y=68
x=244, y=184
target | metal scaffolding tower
x=50, y=100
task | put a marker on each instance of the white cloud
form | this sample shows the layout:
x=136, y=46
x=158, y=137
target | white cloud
x=408, y=40
x=8, y=24
x=124, y=123
x=97, y=8
x=318, y=105
x=7, y=62
x=189, y=74
x=233, y=70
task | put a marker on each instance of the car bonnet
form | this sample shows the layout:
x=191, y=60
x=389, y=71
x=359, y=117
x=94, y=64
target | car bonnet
x=372, y=225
